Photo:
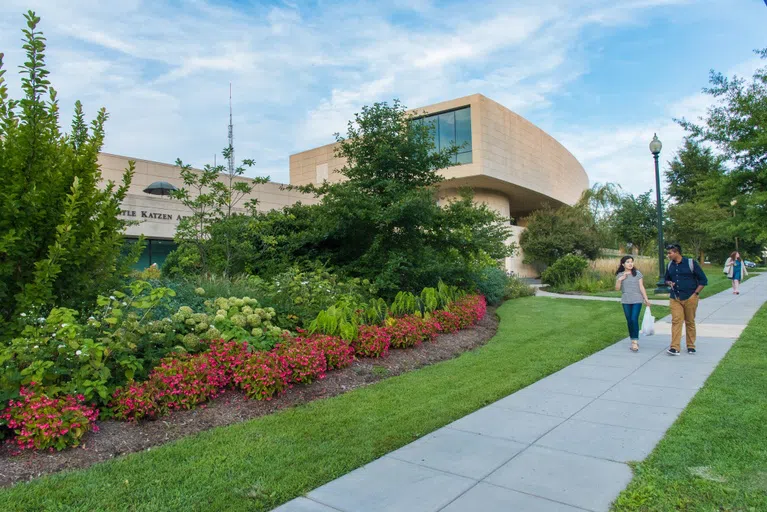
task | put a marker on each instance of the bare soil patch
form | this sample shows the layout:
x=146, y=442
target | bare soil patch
x=118, y=438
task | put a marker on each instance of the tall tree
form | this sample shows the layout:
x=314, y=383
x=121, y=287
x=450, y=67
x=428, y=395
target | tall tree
x=698, y=226
x=635, y=220
x=60, y=237
x=601, y=200
x=737, y=125
x=383, y=222
x=695, y=173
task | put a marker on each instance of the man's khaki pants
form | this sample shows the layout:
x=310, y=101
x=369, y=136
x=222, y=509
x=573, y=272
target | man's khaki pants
x=683, y=312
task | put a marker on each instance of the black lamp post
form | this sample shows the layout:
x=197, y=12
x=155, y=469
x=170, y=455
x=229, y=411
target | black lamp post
x=655, y=147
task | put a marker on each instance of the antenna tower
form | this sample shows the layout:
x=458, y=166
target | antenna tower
x=231, y=133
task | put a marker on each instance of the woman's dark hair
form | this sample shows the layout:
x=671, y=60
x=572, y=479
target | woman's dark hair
x=622, y=266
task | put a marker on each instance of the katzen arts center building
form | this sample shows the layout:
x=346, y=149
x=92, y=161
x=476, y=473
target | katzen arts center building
x=512, y=165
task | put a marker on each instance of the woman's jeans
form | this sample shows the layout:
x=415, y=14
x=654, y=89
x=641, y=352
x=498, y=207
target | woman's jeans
x=632, y=319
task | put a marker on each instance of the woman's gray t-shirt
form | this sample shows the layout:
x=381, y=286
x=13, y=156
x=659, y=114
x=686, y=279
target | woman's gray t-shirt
x=631, y=294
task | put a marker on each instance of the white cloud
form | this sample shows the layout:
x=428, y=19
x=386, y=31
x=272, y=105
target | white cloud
x=299, y=74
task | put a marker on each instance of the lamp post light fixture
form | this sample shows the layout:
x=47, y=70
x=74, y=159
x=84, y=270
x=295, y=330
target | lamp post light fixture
x=655, y=147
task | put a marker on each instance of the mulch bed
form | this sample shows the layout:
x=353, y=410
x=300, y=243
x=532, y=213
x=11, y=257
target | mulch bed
x=118, y=438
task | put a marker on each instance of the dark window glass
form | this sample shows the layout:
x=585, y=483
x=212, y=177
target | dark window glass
x=464, y=158
x=463, y=130
x=160, y=250
x=155, y=251
x=450, y=128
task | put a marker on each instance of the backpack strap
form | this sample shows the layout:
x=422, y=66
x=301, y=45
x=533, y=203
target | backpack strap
x=690, y=264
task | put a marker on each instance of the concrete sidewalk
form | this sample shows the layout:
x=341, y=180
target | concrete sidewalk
x=561, y=444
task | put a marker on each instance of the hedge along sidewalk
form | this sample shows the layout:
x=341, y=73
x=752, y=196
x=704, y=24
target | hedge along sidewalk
x=715, y=456
x=259, y=464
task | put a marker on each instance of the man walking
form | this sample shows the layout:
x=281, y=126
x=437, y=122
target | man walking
x=686, y=279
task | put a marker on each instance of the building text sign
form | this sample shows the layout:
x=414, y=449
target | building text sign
x=150, y=215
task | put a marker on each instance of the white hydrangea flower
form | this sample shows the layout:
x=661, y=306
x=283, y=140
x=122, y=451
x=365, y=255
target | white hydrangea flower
x=79, y=352
x=23, y=314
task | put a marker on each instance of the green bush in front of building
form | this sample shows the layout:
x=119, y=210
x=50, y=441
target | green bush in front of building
x=566, y=269
x=60, y=239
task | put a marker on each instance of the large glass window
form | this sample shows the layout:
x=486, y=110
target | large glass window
x=449, y=128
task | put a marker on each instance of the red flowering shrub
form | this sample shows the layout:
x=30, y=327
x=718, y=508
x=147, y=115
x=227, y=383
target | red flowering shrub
x=135, y=401
x=182, y=382
x=53, y=423
x=409, y=331
x=227, y=356
x=338, y=353
x=372, y=341
x=263, y=375
x=469, y=309
x=304, y=358
x=448, y=322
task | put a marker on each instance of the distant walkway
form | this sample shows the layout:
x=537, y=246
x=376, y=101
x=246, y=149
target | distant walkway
x=560, y=444
x=541, y=293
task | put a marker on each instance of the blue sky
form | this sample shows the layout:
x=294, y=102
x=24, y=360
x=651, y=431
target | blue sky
x=599, y=75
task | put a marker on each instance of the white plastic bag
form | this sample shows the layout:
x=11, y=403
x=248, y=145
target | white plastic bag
x=648, y=323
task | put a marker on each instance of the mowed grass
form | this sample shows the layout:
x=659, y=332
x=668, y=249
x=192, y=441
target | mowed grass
x=714, y=458
x=259, y=464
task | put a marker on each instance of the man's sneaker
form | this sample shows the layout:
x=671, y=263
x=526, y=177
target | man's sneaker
x=672, y=352
x=691, y=351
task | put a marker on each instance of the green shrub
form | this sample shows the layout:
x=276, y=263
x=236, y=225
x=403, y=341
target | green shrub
x=491, y=282
x=516, y=288
x=567, y=268
x=60, y=236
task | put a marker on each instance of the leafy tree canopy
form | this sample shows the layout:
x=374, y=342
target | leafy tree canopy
x=553, y=233
x=695, y=173
x=634, y=220
x=737, y=126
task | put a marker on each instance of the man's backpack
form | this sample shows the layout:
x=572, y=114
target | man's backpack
x=689, y=262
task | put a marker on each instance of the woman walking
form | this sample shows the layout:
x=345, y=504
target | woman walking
x=735, y=270
x=633, y=295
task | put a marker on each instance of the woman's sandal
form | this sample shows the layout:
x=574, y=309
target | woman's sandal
x=634, y=346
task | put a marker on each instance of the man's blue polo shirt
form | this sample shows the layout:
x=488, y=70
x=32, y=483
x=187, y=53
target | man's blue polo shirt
x=685, y=282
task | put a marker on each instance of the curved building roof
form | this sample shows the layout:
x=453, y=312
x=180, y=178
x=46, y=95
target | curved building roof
x=509, y=155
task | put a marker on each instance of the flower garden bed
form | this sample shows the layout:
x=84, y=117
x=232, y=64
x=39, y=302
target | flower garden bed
x=118, y=437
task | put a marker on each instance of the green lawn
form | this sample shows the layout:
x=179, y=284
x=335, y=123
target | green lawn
x=261, y=463
x=717, y=282
x=714, y=458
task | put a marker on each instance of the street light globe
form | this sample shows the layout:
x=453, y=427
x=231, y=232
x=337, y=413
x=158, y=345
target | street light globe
x=655, y=145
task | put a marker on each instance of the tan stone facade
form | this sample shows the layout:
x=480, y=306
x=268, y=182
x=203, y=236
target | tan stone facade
x=159, y=216
x=515, y=166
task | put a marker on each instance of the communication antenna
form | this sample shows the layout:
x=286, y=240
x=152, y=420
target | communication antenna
x=231, y=133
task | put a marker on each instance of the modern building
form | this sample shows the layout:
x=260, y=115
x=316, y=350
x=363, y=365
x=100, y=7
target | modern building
x=512, y=165
x=158, y=216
